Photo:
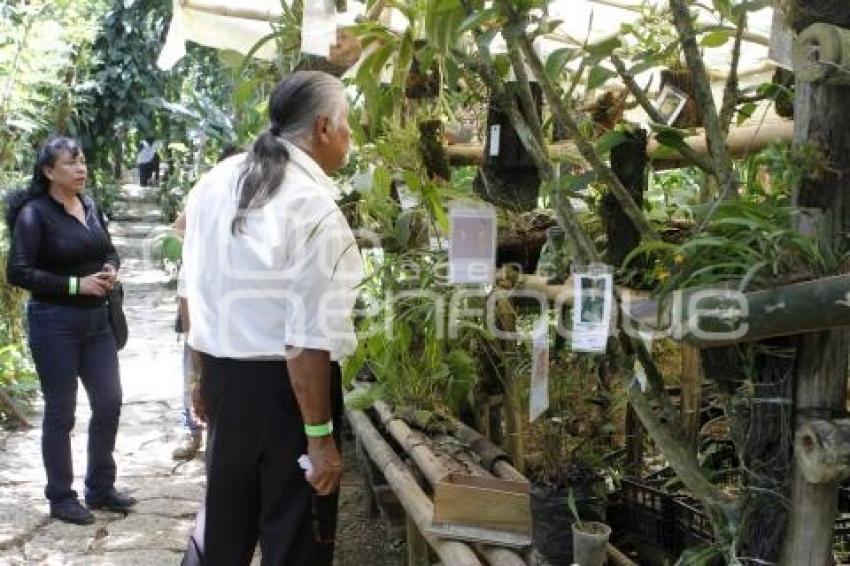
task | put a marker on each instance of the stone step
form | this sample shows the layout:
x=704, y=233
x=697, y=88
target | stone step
x=131, y=193
x=131, y=230
x=137, y=212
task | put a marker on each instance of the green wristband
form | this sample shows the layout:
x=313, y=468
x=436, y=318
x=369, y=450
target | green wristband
x=315, y=431
x=73, y=285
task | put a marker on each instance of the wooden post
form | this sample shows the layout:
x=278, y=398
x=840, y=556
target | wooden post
x=822, y=120
x=691, y=396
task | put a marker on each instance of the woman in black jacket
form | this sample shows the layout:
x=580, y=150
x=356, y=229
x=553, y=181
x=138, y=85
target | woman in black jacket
x=62, y=254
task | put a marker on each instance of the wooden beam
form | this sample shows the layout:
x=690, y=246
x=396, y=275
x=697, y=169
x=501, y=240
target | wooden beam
x=809, y=306
x=228, y=10
x=417, y=505
x=742, y=141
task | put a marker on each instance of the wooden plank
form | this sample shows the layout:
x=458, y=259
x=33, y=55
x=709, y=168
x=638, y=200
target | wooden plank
x=467, y=533
x=691, y=395
x=489, y=503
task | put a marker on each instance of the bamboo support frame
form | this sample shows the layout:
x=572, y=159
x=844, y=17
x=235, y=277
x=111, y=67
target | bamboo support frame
x=741, y=142
x=417, y=505
x=428, y=462
x=434, y=469
x=244, y=13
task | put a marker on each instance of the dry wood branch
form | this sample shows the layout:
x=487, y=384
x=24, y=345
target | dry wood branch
x=12, y=408
x=417, y=505
x=730, y=94
x=702, y=88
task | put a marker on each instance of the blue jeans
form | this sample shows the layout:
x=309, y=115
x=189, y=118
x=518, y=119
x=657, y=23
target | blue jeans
x=188, y=418
x=69, y=342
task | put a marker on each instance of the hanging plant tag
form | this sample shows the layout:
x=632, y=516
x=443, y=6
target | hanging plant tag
x=472, y=244
x=670, y=104
x=539, y=392
x=592, y=301
x=318, y=27
x=495, y=139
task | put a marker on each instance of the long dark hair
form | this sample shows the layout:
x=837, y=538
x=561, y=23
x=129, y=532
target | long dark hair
x=39, y=183
x=293, y=107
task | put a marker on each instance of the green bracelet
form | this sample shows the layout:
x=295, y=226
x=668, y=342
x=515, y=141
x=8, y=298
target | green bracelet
x=73, y=285
x=315, y=431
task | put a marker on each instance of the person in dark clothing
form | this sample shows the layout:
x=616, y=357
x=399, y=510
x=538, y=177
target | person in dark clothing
x=148, y=162
x=62, y=254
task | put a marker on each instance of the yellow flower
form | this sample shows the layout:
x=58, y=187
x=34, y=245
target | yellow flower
x=678, y=259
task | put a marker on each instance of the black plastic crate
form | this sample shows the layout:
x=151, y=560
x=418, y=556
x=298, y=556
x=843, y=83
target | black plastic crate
x=647, y=512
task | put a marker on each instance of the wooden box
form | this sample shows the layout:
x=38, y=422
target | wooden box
x=482, y=509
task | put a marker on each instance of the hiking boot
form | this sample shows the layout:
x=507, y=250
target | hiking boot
x=70, y=511
x=189, y=449
x=112, y=500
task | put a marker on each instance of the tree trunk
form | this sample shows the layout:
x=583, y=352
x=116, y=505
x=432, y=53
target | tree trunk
x=822, y=118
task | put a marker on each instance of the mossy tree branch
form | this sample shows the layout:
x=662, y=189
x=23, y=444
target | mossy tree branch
x=562, y=114
x=702, y=91
x=730, y=94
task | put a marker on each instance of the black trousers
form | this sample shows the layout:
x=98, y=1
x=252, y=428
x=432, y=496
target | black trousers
x=67, y=342
x=255, y=488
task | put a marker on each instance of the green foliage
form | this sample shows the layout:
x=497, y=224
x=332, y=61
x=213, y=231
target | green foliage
x=751, y=244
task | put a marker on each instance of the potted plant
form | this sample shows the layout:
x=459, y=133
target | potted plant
x=590, y=539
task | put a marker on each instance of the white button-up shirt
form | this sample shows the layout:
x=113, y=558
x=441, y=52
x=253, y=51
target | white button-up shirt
x=288, y=279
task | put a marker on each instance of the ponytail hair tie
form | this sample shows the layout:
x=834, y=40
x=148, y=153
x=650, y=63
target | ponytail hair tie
x=275, y=130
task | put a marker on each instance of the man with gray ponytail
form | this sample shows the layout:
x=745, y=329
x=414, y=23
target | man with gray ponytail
x=272, y=271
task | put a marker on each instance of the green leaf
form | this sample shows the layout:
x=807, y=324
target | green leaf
x=362, y=398
x=402, y=227
x=605, y=48
x=717, y=38
x=598, y=76
x=609, y=140
x=477, y=19
x=556, y=62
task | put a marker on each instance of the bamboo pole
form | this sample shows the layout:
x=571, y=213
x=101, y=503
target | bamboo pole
x=417, y=505
x=741, y=142
x=415, y=444
x=228, y=10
